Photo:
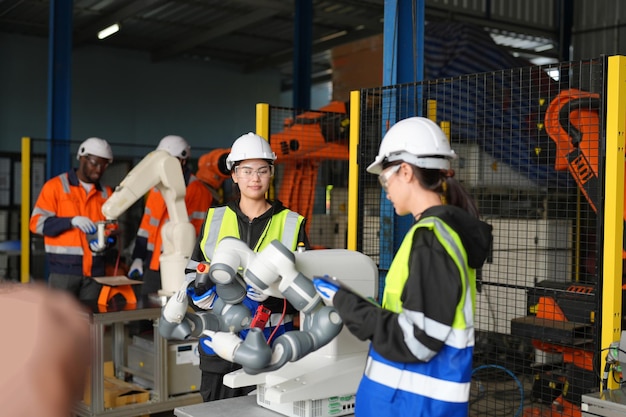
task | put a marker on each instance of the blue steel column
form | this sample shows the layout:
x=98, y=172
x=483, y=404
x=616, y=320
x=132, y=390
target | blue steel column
x=303, y=38
x=59, y=87
x=403, y=62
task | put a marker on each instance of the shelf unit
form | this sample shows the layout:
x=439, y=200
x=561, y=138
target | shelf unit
x=160, y=399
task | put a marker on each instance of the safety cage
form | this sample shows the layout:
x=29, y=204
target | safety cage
x=531, y=146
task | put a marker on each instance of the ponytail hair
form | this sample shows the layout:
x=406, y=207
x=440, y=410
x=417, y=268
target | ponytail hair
x=451, y=191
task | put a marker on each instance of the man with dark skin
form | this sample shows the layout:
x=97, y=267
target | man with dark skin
x=66, y=212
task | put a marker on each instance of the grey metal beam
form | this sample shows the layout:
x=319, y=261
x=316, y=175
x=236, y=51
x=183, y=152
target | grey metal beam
x=442, y=14
x=318, y=46
x=229, y=27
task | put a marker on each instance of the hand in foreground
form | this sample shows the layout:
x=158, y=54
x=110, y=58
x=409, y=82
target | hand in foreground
x=325, y=289
x=34, y=382
x=84, y=224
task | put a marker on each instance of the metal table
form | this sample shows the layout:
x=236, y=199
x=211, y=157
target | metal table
x=118, y=315
x=238, y=406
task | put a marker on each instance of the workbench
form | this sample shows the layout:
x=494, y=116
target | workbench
x=117, y=315
x=238, y=406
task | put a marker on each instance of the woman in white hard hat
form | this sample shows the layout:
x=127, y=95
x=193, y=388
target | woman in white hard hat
x=257, y=221
x=66, y=212
x=422, y=339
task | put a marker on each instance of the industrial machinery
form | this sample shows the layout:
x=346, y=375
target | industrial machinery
x=212, y=170
x=563, y=316
x=159, y=169
x=573, y=122
x=319, y=361
x=305, y=141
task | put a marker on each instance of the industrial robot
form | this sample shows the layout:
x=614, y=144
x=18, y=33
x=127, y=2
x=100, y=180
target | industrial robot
x=157, y=169
x=320, y=360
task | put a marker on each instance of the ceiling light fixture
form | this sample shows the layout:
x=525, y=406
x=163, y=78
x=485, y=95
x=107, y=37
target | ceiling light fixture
x=542, y=48
x=108, y=31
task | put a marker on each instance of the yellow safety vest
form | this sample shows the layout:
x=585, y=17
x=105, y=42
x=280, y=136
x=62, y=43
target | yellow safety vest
x=222, y=222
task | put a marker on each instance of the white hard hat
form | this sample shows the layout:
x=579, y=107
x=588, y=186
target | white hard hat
x=175, y=146
x=96, y=147
x=416, y=140
x=249, y=146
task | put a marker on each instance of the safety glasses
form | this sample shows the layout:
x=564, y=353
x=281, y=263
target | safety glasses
x=96, y=164
x=385, y=176
x=248, y=172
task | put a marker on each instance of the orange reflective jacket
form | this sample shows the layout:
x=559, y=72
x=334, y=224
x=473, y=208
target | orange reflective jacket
x=62, y=198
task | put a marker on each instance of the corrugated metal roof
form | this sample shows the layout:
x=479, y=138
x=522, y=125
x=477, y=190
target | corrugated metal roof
x=249, y=34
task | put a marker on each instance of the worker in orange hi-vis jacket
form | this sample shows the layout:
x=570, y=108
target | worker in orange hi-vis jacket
x=148, y=243
x=66, y=213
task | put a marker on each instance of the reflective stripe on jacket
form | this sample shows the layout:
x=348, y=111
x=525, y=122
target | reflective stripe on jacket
x=62, y=198
x=440, y=386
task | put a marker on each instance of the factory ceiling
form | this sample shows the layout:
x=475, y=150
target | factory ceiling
x=250, y=35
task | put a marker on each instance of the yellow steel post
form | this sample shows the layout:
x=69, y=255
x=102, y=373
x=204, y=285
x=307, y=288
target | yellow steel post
x=263, y=129
x=353, y=170
x=431, y=110
x=25, y=212
x=263, y=120
x=614, y=205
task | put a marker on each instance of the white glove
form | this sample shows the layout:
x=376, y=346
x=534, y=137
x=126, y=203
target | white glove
x=93, y=245
x=255, y=295
x=206, y=300
x=84, y=224
x=136, y=268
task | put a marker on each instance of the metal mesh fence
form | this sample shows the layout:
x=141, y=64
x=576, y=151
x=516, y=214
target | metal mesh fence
x=312, y=168
x=529, y=150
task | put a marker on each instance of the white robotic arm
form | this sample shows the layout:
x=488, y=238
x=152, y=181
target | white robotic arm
x=160, y=169
x=273, y=272
x=330, y=369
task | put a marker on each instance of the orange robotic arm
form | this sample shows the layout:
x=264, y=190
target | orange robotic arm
x=573, y=123
x=311, y=137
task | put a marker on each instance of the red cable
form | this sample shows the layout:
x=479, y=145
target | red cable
x=282, y=317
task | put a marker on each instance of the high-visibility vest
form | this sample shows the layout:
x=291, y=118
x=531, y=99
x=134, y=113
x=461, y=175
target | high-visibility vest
x=440, y=386
x=222, y=222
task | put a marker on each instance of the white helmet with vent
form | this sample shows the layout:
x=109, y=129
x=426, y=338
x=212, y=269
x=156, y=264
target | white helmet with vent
x=96, y=147
x=416, y=140
x=175, y=146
